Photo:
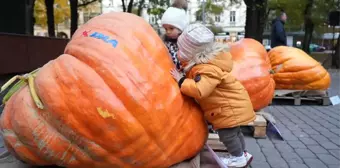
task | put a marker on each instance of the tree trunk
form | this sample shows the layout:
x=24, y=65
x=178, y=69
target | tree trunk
x=309, y=26
x=140, y=7
x=262, y=13
x=255, y=19
x=50, y=17
x=74, y=16
x=30, y=17
x=336, y=55
x=124, y=6
x=130, y=6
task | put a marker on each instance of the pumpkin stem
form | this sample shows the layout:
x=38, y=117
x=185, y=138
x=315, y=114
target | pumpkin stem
x=272, y=71
x=23, y=80
x=34, y=95
x=8, y=83
x=14, y=89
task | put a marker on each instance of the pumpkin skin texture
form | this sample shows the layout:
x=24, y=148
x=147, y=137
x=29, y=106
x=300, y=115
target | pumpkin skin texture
x=106, y=106
x=296, y=70
x=252, y=69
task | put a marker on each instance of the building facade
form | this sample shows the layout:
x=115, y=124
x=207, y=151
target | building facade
x=232, y=20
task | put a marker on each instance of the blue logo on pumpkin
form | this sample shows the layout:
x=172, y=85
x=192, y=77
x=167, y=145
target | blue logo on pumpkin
x=103, y=37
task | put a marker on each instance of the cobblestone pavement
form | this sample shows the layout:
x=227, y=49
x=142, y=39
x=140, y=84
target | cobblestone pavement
x=311, y=133
x=312, y=137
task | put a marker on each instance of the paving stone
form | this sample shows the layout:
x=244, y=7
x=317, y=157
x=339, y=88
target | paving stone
x=278, y=141
x=310, y=131
x=335, y=130
x=291, y=157
x=335, y=153
x=289, y=136
x=320, y=129
x=317, y=149
x=259, y=164
x=253, y=149
x=270, y=152
x=297, y=165
x=250, y=140
x=333, y=166
x=329, y=134
x=294, y=128
x=320, y=138
x=304, y=125
x=258, y=156
x=277, y=162
x=328, y=159
x=265, y=143
x=299, y=134
x=284, y=148
x=329, y=125
x=308, y=141
x=334, y=121
x=314, y=163
x=335, y=141
x=329, y=145
x=312, y=123
x=305, y=153
x=296, y=144
x=297, y=121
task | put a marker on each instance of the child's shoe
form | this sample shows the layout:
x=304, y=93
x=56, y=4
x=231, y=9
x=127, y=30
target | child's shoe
x=235, y=162
x=249, y=158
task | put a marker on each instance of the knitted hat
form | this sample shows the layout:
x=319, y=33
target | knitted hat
x=195, y=39
x=175, y=17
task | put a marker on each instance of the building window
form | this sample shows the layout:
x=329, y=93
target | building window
x=232, y=16
x=218, y=18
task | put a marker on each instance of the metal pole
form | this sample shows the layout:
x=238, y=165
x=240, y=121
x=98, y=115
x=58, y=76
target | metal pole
x=203, y=11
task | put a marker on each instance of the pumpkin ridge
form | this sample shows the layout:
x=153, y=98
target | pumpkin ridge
x=82, y=141
x=53, y=126
x=132, y=100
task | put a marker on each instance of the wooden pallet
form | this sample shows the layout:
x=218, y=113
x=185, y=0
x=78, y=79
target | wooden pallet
x=259, y=131
x=298, y=96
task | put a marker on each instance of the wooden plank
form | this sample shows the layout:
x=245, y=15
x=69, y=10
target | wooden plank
x=260, y=132
x=214, y=142
x=259, y=121
x=301, y=93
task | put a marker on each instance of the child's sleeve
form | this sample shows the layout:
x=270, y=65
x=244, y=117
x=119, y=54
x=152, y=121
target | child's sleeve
x=202, y=85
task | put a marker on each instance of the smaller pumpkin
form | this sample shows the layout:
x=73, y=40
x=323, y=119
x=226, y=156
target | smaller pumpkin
x=252, y=68
x=296, y=70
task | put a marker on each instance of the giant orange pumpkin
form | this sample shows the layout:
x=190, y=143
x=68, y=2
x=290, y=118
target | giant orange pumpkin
x=109, y=101
x=296, y=70
x=252, y=68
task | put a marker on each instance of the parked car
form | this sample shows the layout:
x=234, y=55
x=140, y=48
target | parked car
x=316, y=48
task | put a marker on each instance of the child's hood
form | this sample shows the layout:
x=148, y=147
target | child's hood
x=217, y=55
x=223, y=60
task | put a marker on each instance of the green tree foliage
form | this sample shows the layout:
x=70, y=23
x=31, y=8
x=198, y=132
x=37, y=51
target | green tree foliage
x=295, y=12
x=211, y=9
x=61, y=12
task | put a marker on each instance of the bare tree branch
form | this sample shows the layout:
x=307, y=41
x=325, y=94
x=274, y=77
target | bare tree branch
x=86, y=3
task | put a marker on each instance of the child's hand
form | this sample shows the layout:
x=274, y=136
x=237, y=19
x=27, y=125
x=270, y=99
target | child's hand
x=176, y=75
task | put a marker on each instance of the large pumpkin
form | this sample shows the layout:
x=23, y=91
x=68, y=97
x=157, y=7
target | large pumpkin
x=109, y=101
x=296, y=70
x=252, y=68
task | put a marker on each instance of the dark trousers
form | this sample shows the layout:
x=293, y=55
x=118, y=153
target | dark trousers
x=233, y=139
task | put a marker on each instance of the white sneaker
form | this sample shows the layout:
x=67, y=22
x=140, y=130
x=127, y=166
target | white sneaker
x=235, y=162
x=249, y=158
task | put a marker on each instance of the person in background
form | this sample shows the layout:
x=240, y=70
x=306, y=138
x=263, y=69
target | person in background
x=174, y=21
x=223, y=99
x=278, y=33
